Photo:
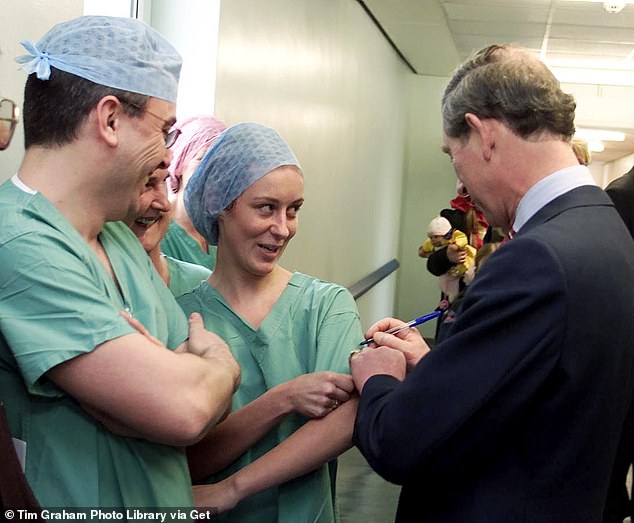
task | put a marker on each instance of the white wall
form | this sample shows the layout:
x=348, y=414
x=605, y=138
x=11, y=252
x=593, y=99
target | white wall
x=324, y=76
x=194, y=33
x=606, y=107
x=25, y=20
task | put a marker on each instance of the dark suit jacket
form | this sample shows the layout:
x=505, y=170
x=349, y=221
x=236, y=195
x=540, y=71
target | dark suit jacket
x=515, y=415
x=621, y=191
x=619, y=505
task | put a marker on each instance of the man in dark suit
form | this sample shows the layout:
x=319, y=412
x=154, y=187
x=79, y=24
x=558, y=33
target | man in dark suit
x=516, y=414
x=621, y=191
x=619, y=505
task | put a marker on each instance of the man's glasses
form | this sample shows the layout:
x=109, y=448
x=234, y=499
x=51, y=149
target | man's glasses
x=171, y=136
x=9, y=115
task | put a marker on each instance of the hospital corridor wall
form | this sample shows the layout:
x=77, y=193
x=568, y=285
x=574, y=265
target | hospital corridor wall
x=324, y=76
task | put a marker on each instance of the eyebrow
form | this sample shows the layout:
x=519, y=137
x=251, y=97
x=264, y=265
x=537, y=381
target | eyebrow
x=158, y=177
x=276, y=200
x=445, y=150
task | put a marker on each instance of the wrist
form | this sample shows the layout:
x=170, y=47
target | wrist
x=283, y=398
x=413, y=361
x=238, y=487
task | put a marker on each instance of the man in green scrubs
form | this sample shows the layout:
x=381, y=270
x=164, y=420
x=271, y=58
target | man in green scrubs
x=91, y=390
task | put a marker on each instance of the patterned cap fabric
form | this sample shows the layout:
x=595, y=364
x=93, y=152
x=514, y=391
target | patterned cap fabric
x=122, y=53
x=197, y=134
x=239, y=157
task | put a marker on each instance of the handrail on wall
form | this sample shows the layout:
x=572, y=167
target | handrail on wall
x=359, y=288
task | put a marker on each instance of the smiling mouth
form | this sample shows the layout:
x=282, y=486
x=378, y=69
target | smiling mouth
x=270, y=248
x=146, y=222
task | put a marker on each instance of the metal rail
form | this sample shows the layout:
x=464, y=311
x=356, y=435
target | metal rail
x=359, y=288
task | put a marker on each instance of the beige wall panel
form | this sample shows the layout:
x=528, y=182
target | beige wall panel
x=324, y=77
x=429, y=185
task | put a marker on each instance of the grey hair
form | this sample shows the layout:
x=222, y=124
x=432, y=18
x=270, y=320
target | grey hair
x=509, y=85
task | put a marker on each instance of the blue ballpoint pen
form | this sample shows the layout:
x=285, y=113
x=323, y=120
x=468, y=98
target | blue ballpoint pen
x=408, y=325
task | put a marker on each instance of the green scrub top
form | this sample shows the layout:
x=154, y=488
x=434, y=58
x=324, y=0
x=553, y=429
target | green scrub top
x=180, y=245
x=312, y=327
x=57, y=301
x=185, y=276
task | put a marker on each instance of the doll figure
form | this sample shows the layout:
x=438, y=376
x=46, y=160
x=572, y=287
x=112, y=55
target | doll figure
x=440, y=234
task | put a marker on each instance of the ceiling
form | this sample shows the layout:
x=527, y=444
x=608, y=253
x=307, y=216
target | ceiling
x=434, y=36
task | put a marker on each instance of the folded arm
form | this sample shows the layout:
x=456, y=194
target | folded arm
x=137, y=388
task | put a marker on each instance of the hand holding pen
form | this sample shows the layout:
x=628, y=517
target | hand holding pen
x=413, y=348
x=408, y=325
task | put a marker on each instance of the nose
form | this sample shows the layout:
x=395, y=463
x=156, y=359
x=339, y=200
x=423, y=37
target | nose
x=280, y=226
x=160, y=201
x=167, y=158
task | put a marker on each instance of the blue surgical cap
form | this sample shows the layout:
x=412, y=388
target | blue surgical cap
x=122, y=53
x=239, y=157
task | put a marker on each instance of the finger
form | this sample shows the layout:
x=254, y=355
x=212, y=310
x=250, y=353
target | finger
x=383, y=325
x=413, y=347
x=344, y=382
x=340, y=395
x=392, y=341
x=333, y=404
x=196, y=321
x=136, y=324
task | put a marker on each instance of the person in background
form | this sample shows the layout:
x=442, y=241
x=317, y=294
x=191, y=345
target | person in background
x=440, y=234
x=15, y=492
x=182, y=241
x=9, y=115
x=102, y=379
x=150, y=226
x=621, y=192
x=450, y=315
x=462, y=215
x=291, y=333
x=620, y=503
x=580, y=148
x=516, y=414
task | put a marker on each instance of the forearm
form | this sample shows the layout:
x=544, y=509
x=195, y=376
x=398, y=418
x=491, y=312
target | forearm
x=137, y=388
x=315, y=443
x=228, y=440
x=201, y=394
x=113, y=425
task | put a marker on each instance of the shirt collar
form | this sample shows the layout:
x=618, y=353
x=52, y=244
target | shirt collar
x=21, y=185
x=549, y=188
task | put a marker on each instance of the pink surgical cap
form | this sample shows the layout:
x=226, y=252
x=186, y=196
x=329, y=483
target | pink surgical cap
x=197, y=133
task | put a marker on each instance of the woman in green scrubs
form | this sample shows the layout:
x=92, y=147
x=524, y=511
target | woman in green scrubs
x=291, y=334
